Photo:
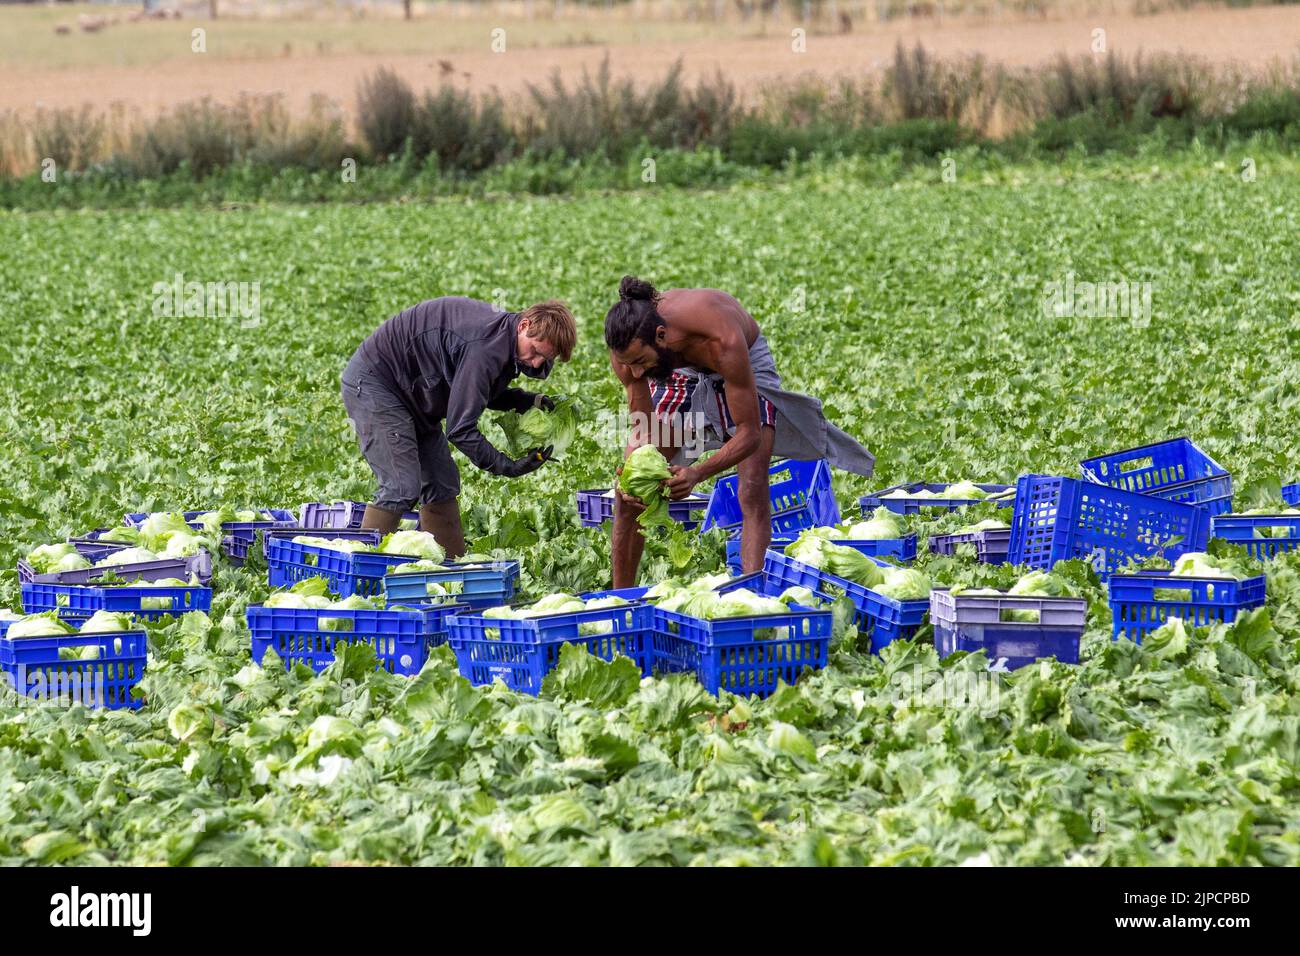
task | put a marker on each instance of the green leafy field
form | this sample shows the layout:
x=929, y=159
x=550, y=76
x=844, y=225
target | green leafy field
x=922, y=328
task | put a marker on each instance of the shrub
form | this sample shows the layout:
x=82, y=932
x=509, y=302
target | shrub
x=1120, y=89
x=921, y=87
x=601, y=115
x=465, y=135
x=386, y=112
x=202, y=137
x=72, y=138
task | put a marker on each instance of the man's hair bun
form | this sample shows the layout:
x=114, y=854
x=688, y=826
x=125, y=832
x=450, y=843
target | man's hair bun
x=632, y=288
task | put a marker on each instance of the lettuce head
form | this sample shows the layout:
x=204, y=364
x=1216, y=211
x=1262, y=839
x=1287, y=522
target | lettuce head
x=419, y=544
x=643, y=477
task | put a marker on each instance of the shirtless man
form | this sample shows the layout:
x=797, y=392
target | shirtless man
x=699, y=351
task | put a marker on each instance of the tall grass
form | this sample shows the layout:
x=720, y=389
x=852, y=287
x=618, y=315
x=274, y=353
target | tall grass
x=919, y=106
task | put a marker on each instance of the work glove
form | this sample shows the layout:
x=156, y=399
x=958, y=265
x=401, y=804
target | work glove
x=544, y=403
x=530, y=462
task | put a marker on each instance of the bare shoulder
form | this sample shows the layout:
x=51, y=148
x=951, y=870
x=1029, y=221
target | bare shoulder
x=681, y=303
x=696, y=296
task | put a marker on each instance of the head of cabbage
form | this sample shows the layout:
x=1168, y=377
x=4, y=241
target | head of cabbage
x=107, y=621
x=127, y=556
x=852, y=565
x=46, y=624
x=882, y=525
x=1043, y=584
x=46, y=558
x=419, y=544
x=643, y=477
x=965, y=491
x=904, y=584
x=332, y=544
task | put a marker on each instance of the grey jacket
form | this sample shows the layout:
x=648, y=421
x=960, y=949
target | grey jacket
x=449, y=359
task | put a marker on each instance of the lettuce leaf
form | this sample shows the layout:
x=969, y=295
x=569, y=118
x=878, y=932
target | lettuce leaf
x=644, y=474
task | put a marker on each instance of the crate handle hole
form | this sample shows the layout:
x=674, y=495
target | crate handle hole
x=1020, y=615
x=1273, y=531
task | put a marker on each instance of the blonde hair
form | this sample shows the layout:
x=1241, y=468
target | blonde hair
x=552, y=322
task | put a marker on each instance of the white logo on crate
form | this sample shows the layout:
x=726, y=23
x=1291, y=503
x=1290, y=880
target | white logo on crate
x=76, y=909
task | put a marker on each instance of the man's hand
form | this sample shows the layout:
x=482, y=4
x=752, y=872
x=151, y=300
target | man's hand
x=544, y=403
x=530, y=462
x=683, y=480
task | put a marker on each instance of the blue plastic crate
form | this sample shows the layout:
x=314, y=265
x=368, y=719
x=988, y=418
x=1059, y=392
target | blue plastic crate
x=1057, y=519
x=368, y=535
x=974, y=622
x=338, y=515
x=346, y=573
x=627, y=594
x=524, y=651
x=235, y=549
x=991, y=546
x=34, y=667
x=76, y=602
x=1263, y=536
x=778, y=542
x=1175, y=470
x=882, y=619
x=401, y=636
x=1291, y=494
x=1143, y=601
x=596, y=506
x=198, y=565
x=902, y=549
x=481, y=586
x=911, y=506
x=743, y=655
x=801, y=498
x=754, y=581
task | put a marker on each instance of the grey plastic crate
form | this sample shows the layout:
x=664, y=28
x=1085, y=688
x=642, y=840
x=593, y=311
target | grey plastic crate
x=199, y=565
x=963, y=609
x=974, y=623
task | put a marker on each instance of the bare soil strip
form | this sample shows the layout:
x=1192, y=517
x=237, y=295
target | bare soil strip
x=1253, y=37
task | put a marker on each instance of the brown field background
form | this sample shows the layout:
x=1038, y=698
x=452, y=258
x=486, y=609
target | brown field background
x=146, y=67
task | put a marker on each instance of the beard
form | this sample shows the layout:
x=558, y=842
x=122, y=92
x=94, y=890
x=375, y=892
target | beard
x=669, y=362
x=531, y=372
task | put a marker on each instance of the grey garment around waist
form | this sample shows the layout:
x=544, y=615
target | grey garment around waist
x=802, y=431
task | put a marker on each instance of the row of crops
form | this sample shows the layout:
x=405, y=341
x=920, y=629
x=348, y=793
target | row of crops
x=1178, y=748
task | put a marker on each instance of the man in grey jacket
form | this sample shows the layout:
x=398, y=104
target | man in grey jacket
x=446, y=360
